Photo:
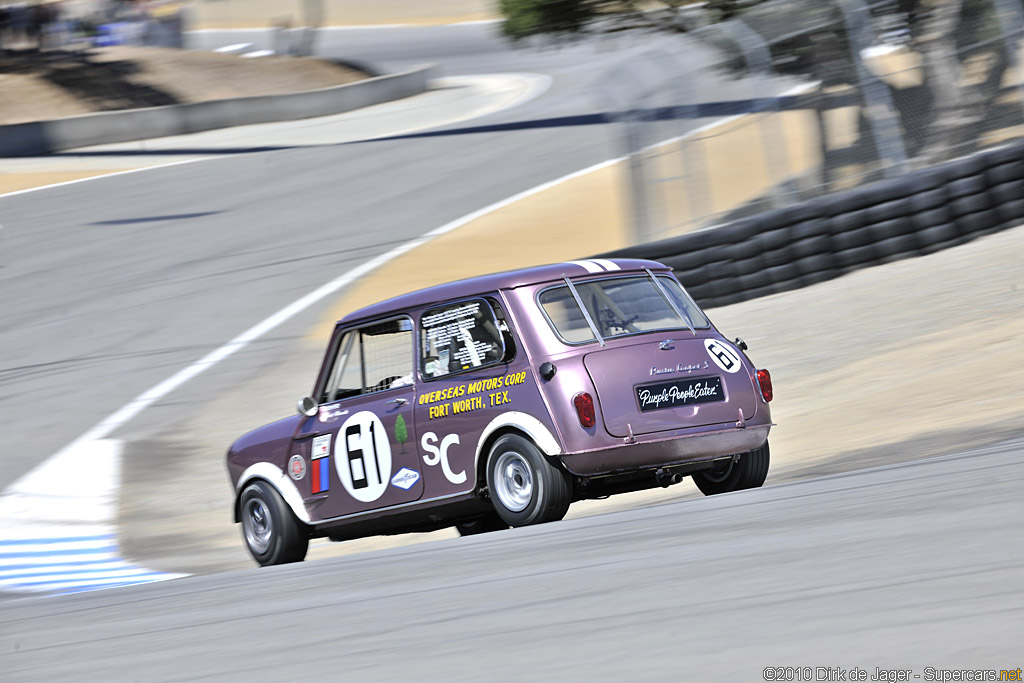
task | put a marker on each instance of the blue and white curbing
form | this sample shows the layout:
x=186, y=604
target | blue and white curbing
x=57, y=525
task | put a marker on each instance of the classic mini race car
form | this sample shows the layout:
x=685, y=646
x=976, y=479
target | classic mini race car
x=498, y=401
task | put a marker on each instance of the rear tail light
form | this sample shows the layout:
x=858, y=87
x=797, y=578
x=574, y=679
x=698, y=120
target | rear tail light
x=764, y=379
x=584, y=404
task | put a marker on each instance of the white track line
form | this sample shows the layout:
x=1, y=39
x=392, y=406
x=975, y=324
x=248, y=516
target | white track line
x=37, y=495
x=91, y=439
x=104, y=175
x=148, y=398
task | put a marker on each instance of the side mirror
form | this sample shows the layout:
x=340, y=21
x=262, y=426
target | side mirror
x=307, y=406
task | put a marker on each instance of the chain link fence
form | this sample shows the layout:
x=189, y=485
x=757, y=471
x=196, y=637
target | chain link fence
x=794, y=99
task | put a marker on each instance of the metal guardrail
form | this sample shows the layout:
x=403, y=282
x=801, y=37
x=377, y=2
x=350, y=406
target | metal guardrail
x=821, y=95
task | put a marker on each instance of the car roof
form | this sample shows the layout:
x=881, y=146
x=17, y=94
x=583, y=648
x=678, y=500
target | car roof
x=504, y=280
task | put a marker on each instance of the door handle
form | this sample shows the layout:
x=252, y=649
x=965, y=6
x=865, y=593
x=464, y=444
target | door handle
x=398, y=401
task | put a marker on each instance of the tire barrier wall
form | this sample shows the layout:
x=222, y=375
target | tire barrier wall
x=912, y=215
x=44, y=137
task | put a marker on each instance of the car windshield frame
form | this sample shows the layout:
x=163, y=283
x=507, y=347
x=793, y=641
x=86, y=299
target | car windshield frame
x=699, y=321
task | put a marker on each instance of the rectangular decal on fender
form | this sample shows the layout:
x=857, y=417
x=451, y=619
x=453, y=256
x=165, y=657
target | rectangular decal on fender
x=680, y=392
x=320, y=475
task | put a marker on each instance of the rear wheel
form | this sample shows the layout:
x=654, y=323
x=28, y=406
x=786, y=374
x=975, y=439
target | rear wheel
x=748, y=472
x=271, y=531
x=525, y=488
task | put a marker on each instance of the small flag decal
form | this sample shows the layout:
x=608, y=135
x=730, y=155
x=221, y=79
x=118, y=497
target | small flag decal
x=320, y=475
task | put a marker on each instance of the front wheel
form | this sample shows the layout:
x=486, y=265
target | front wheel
x=269, y=527
x=525, y=488
x=748, y=472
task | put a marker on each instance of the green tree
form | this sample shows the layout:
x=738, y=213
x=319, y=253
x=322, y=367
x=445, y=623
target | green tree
x=401, y=433
x=941, y=118
x=565, y=18
x=525, y=18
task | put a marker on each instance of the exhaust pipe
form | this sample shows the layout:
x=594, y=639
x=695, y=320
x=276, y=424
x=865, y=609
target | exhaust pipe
x=666, y=479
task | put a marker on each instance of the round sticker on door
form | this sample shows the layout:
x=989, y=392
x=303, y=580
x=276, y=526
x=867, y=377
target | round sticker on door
x=296, y=467
x=362, y=457
x=723, y=355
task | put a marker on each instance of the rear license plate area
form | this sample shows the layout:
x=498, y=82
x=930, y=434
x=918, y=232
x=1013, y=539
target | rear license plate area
x=678, y=393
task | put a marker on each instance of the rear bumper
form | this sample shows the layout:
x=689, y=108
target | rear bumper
x=681, y=448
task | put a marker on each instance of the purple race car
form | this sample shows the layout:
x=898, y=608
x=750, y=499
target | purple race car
x=498, y=401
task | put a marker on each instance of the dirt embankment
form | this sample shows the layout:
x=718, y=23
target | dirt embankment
x=48, y=85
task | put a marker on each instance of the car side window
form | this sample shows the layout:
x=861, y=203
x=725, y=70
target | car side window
x=370, y=359
x=460, y=336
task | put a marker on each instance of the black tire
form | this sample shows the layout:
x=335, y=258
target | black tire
x=481, y=525
x=269, y=528
x=748, y=472
x=524, y=487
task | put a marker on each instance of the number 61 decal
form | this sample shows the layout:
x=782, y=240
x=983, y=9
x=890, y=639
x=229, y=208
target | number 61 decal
x=363, y=457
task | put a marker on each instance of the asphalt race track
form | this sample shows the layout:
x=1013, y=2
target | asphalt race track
x=112, y=286
x=900, y=567
x=115, y=285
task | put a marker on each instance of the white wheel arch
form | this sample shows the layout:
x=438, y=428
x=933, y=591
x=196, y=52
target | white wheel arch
x=280, y=481
x=525, y=423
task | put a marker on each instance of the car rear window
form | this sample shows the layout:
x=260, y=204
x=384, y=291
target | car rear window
x=618, y=307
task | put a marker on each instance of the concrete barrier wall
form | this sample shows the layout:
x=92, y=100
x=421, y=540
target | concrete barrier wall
x=44, y=137
x=912, y=215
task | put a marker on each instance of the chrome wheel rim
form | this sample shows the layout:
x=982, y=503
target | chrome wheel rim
x=259, y=528
x=513, y=481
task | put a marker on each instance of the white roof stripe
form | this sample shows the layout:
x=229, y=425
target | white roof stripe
x=589, y=266
x=605, y=263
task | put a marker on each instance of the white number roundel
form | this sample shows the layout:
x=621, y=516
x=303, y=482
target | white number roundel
x=362, y=457
x=724, y=357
